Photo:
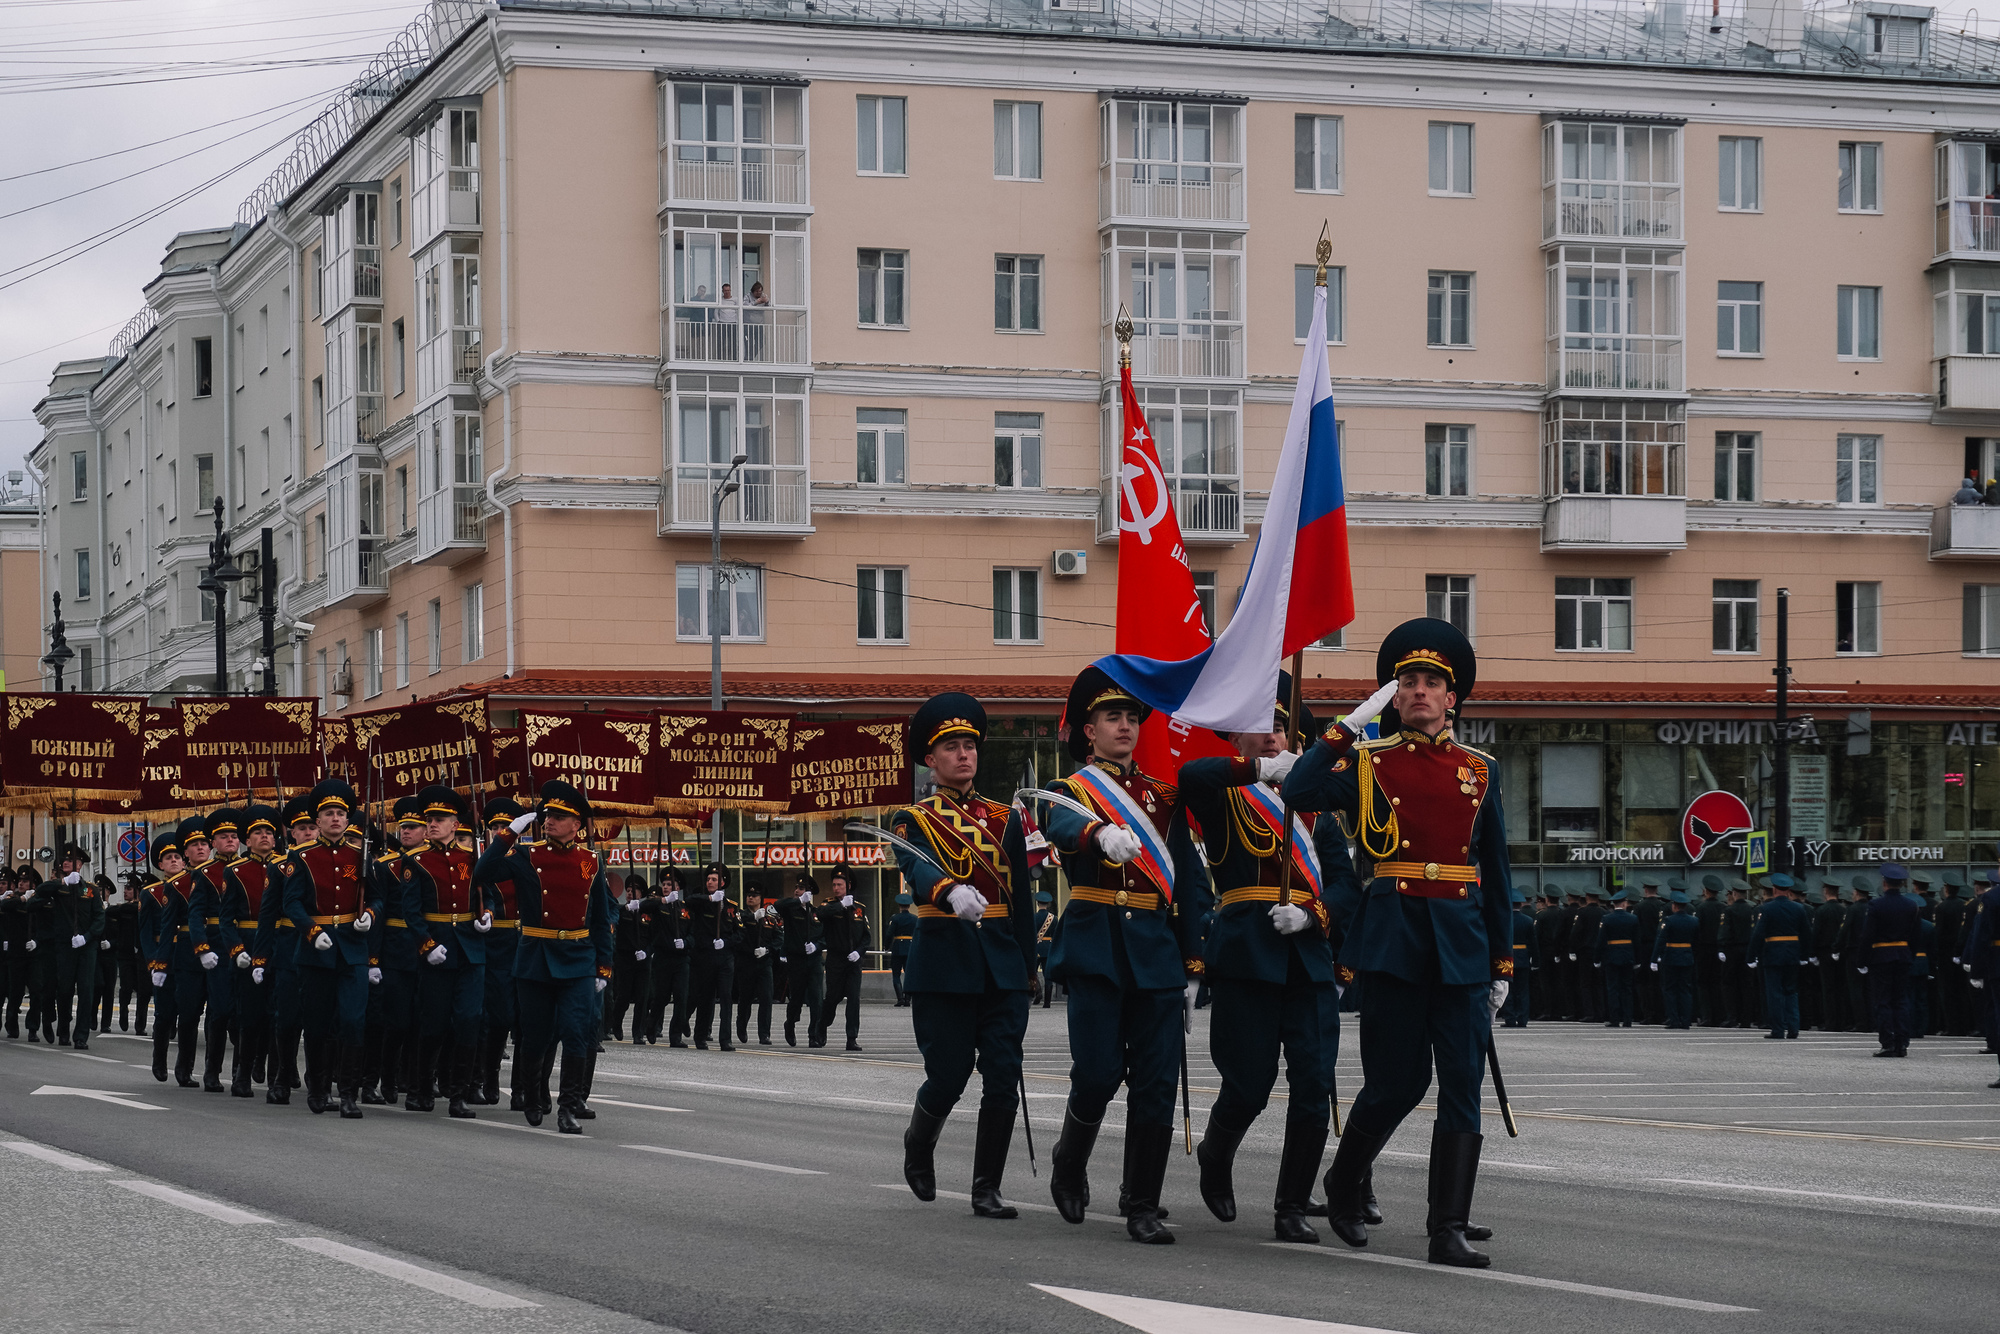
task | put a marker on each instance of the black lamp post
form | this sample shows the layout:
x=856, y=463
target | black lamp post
x=59, y=652
x=215, y=581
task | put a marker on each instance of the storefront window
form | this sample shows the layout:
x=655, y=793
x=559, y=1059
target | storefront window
x=1649, y=791
x=1572, y=792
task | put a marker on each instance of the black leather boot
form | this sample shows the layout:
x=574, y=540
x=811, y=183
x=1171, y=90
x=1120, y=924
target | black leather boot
x=461, y=1082
x=239, y=1085
x=1216, y=1156
x=583, y=1112
x=1346, y=1184
x=1371, y=1209
x=989, y=1163
x=211, y=1059
x=570, y=1096
x=184, y=1044
x=489, y=1069
x=1305, y=1145
x=1069, y=1163
x=316, y=1074
x=527, y=1091
x=1146, y=1150
x=350, y=1081
x=1454, y=1168
x=919, y=1147
x=159, y=1052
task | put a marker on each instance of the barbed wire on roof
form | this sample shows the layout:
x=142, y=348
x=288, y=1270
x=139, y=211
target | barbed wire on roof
x=135, y=329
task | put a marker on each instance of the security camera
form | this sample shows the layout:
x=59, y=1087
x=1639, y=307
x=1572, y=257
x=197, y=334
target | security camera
x=301, y=629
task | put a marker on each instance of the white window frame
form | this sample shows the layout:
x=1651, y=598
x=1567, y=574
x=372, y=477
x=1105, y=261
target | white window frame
x=1204, y=593
x=1732, y=448
x=1862, y=456
x=435, y=633
x=1443, y=591
x=79, y=475
x=1981, y=633
x=472, y=618
x=1018, y=446
x=83, y=589
x=402, y=650
x=1607, y=600
x=873, y=142
x=1336, y=302
x=880, y=287
x=1017, y=137
x=1739, y=171
x=1451, y=447
x=1319, y=152
x=1008, y=594
x=738, y=572
x=1011, y=281
x=1451, y=155
x=875, y=599
x=1857, y=310
x=881, y=447
x=1443, y=298
x=1730, y=309
x=1735, y=602
x=371, y=662
x=1857, y=161
x=1848, y=600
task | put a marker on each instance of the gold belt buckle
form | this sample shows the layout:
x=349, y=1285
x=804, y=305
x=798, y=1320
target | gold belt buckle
x=1122, y=897
x=1431, y=870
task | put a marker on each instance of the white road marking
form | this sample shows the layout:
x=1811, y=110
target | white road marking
x=1019, y=1204
x=86, y=1056
x=97, y=1095
x=1485, y=1162
x=1831, y=1195
x=222, y=1213
x=1525, y=1280
x=56, y=1156
x=1157, y=1317
x=646, y=1106
x=731, y=1162
x=1883, y=1121
x=509, y=1125
x=442, y=1284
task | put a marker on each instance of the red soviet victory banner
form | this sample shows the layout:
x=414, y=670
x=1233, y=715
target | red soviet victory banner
x=724, y=761
x=610, y=757
x=844, y=767
x=248, y=748
x=387, y=753
x=60, y=750
x=1159, y=613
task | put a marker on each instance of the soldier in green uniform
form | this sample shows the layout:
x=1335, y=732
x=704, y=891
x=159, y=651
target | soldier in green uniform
x=902, y=931
x=1777, y=944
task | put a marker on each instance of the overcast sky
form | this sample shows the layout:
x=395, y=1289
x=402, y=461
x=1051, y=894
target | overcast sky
x=109, y=109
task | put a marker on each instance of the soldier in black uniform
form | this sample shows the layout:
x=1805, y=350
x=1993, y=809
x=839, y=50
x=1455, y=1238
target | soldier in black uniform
x=76, y=916
x=713, y=927
x=1827, y=918
x=902, y=930
x=14, y=956
x=1954, y=1002
x=669, y=962
x=1649, y=910
x=1544, y=994
x=121, y=930
x=756, y=959
x=1045, y=925
x=805, y=978
x=1709, y=959
x=1584, y=953
x=1739, y=920
x=846, y=925
x=1617, y=933
x=634, y=943
x=1859, y=1003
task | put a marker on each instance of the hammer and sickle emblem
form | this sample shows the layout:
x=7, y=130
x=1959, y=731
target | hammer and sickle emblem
x=1140, y=464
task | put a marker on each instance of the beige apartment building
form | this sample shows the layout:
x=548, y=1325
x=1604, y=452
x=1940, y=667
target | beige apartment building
x=1639, y=315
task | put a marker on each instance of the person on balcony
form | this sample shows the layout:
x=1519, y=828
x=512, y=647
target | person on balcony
x=1968, y=491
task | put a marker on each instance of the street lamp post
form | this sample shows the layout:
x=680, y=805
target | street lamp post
x=59, y=652
x=267, y=610
x=215, y=581
x=728, y=486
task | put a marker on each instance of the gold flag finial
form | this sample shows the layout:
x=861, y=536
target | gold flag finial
x=1122, y=330
x=1323, y=253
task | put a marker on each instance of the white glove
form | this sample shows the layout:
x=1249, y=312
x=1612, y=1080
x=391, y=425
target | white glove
x=104, y=944
x=1370, y=709
x=718, y=896
x=1979, y=983
x=1289, y=918
x=1572, y=958
x=484, y=922
x=436, y=956
x=759, y=952
x=1597, y=965
x=1118, y=844
x=1836, y=958
x=805, y=897
x=519, y=824
x=968, y=903
x=847, y=900
x=1496, y=998
x=638, y=956
x=76, y=942
x=31, y=947
x=257, y=975
x=1966, y=966
x=1862, y=971
x=159, y=975
x=364, y=923
x=1187, y=1006
x=1718, y=954
x=673, y=896
x=73, y=878
x=854, y=956
x=718, y=944
x=242, y=961
x=680, y=944
x=26, y=895
x=1753, y=963
x=601, y=984
x=759, y=914
x=1273, y=768
x=323, y=941
x=811, y=948
x=374, y=977
x=1655, y=967
x=209, y=959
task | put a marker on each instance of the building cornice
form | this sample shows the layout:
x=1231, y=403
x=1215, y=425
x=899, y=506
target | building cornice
x=575, y=368
x=1068, y=504
x=1788, y=405
x=998, y=382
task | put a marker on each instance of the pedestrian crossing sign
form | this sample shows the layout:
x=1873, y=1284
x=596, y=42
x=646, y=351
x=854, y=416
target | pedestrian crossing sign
x=1757, y=852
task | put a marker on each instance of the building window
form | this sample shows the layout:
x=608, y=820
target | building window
x=1734, y=612
x=1017, y=449
x=1982, y=618
x=881, y=605
x=1336, y=640
x=881, y=446
x=1896, y=38
x=204, y=482
x=371, y=662
x=1857, y=470
x=79, y=476
x=1594, y=615
x=402, y=649
x=1448, y=597
x=739, y=611
x=1739, y=319
x=1614, y=447
x=1017, y=293
x=319, y=405
x=1204, y=593
x=1736, y=465
x=399, y=344
x=83, y=575
x=1017, y=141
x=885, y=276
x=86, y=675
x=1196, y=432
x=1858, y=323
x=1448, y=310
x=395, y=212
x=1447, y=460
x=1451, y=159
x=204, y=367
x=1860, y=178
x=1302, y=302
x=475, y=622
x=1857, y=611
x=1017, y=606
x=1741, y=171
x=435, y=633
x=879, y=137
x=1316, y=159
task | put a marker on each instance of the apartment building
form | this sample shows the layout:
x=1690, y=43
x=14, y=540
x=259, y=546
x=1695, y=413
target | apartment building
x=1639, y=315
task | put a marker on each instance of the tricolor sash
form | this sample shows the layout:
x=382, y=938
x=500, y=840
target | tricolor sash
x=1270, y=812
x=1117, y=806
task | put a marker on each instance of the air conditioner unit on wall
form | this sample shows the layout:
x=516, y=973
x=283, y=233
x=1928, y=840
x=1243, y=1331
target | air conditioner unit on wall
x=1071, y=563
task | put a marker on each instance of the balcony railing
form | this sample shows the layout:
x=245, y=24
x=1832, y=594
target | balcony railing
x=1186, y=194
x=450, y=525
x=1965, y=532
x=1617, y=365
x=371, y=416
x=464, y=355
x=367, y=273
x=1971, y=383
x=770, y=499
x=1969, y=225
x=1206, y=512
x=765, y=176
x=1214, y=355
x=758, y=335
x=462, y=207
x=1614, y=523
x=1627, y=212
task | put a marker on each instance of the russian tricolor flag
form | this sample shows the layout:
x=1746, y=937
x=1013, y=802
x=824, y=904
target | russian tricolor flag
x=1300, y=588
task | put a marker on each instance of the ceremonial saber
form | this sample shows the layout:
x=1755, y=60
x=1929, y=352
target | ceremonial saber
x=1027, y=1129
x=1500, y=1088
x=1187, y=1110
x=1059, y=799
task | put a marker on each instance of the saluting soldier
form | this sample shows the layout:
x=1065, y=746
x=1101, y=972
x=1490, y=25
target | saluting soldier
x=76, y=911
x=756, y=958
x=805, y=978
x=156, y=938
x=1673, y=960
x=1777, y=944
x=1269, y=964
x=449, y=920
x=334, y=907
x=1430, y=935
x=845, y=923
x=633, y=947
x=497, y=1009
x=970, y=965
x=563, y=960
x=902, y=931
x=1127, y=950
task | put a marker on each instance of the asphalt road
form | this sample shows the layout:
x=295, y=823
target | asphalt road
x=1672, y=1182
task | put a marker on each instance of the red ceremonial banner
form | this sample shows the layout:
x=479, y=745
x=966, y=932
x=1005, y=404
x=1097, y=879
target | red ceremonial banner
x=62, y=750
x=847, y=768
x=612, y=758
x=248, y=748
x=162, y=768
x=724, y=761
x=509, y=776
x=387, y=753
